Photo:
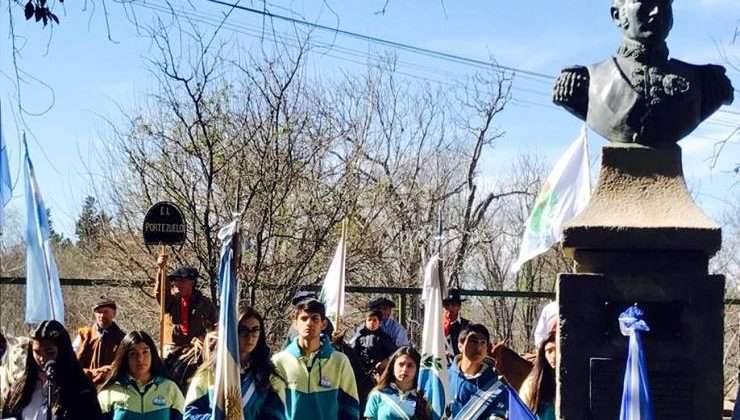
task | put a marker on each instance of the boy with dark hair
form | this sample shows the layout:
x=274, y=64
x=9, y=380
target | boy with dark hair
x=319, y=382
x=476, y=389
x=373, y=345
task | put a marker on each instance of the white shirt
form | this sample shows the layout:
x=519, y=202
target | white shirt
x=36, y=408
x=544, y=323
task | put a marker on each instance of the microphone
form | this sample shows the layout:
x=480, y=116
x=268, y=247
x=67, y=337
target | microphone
x=50, y=368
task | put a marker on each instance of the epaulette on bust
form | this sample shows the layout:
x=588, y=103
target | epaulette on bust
x=571, y=90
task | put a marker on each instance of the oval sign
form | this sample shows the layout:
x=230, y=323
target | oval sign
x=164, y=225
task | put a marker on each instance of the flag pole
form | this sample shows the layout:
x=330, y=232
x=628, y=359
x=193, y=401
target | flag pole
x=440, y=266
x=48, y=277
x=162, y=279
x=341, y=268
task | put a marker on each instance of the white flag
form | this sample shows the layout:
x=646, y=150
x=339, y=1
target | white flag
x=433, y=378
x=332, y=292
x=563, y=195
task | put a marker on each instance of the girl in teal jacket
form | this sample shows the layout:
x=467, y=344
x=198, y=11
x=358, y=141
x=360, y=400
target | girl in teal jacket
x=138, y=387
x=396, y=396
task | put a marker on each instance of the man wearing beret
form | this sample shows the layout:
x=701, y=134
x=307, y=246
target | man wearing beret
x=388, y=324
x=96, y=345
x=188, y=314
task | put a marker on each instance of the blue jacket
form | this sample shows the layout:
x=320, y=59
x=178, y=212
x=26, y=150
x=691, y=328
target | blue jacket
x=464, y=389
x=320, y=386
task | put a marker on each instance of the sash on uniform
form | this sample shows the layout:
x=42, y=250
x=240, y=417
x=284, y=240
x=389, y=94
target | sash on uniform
x=248, y=388
x=481, y=400
x=393, y=405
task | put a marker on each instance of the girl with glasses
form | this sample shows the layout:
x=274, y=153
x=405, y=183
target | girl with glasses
x=259, y=399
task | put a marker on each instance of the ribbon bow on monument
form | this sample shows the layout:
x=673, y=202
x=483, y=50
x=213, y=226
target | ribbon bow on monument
x=636, y=389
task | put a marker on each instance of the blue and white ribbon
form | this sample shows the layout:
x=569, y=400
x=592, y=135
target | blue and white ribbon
x=636, y=389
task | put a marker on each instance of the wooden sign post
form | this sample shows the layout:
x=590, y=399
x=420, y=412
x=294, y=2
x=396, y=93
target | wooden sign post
x=163, y=225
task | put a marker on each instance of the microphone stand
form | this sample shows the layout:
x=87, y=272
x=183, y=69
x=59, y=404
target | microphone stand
x=49, y=394
x=50, y=385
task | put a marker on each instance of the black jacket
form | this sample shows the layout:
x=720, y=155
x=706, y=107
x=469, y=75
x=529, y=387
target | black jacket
x=373, y=347
x=454, y=334
x=80, y=404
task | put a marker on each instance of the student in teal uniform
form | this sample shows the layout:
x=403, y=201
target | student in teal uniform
x=396, y=396
x=138, y=387
x=319, y=381
x=538, y=390
x=262, y=402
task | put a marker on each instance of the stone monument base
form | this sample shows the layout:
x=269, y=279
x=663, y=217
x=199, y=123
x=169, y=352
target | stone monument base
x=684, y=370
x=643, y=240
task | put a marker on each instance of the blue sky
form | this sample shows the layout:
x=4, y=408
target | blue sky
x=92, y=76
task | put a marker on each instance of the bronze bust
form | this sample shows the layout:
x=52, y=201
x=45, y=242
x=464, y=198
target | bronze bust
x=642, y=96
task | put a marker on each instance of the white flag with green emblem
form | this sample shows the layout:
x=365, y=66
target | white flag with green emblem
x=563, y=195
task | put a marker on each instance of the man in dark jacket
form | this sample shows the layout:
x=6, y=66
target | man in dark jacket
x=453, y=323
x=96, y=345
x=188, y=316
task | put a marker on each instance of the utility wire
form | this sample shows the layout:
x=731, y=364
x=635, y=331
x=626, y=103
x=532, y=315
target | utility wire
x=386, y=42
x=256, y=32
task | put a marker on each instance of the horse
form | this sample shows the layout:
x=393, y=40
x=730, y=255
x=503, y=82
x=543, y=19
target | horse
x=512, y=366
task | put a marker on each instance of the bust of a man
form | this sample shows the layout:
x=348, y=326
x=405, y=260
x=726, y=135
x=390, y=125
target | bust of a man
x=642, y=96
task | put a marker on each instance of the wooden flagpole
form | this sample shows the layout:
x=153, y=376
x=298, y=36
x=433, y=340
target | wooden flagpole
x=440, y=266
x=342, y=268
x=162, y=279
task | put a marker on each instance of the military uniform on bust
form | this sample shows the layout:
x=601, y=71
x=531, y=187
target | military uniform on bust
x=642, y=96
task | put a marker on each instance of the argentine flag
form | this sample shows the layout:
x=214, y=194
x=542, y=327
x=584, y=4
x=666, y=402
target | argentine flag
x=43, y=292
x=227, y=387
x=564, y=194
x=636, y=390
x=433, y=378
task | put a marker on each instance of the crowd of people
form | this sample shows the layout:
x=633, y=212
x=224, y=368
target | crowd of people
x=104, y=373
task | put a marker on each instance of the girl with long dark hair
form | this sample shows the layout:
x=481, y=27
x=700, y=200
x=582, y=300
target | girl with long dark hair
x=257, y=375
x=396, y=396
x=51, y=365
x=538, y=390
x=138, y=386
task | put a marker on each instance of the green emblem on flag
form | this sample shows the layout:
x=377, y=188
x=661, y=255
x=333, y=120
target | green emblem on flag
x=543, y=209
x=432, y=362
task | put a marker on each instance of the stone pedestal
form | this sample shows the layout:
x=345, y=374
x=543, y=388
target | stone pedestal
x=643, y=240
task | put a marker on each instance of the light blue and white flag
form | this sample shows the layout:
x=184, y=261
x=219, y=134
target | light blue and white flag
x=636, y=389
x=43, y=292
x=227, y=394
x=433, y=378
x=6, y=187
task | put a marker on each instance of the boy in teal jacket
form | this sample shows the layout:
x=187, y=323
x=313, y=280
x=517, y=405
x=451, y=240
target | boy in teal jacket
x=319, y=382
